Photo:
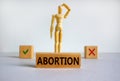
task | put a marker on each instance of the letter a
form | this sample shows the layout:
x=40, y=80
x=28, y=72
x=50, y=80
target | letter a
x=39, y=61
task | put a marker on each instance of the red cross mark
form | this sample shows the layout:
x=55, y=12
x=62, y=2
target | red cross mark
x=92, y=51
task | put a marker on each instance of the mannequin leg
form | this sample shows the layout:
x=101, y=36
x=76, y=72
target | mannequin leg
x=60, y=42
x=56, y=41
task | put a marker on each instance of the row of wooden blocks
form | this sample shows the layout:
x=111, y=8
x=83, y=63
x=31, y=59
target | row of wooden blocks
x=27, y=51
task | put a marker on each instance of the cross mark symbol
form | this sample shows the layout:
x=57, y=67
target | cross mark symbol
x=92, y=52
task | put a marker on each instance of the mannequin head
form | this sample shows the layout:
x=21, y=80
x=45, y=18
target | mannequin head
x=59, y=10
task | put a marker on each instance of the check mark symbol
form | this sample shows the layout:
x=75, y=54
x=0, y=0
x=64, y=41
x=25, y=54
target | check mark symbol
x=25, y=51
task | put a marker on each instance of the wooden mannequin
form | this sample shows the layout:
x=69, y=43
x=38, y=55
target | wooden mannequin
x=58, y=29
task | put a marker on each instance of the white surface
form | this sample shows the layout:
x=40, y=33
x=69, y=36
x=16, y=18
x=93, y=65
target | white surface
x=91, y=22
x=106, y=68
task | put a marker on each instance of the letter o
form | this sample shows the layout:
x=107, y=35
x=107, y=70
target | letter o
x=51, y=60
x=69, y=60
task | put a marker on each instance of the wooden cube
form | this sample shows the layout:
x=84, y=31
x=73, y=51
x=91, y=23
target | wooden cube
x=91, y=52
x=26, y=51
x=58, y=60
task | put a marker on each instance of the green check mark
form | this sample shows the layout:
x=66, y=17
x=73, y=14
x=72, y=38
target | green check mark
x=25, y=51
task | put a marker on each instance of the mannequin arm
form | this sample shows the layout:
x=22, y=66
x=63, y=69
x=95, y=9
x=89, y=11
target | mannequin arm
x=68, y=10
x=52, y=25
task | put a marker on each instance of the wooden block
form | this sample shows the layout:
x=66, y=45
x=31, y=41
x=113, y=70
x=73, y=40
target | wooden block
x=91, y=52
x=26, y=51
x=58, y=60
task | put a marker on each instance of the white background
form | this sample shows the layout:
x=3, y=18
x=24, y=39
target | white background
x=91, y=22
